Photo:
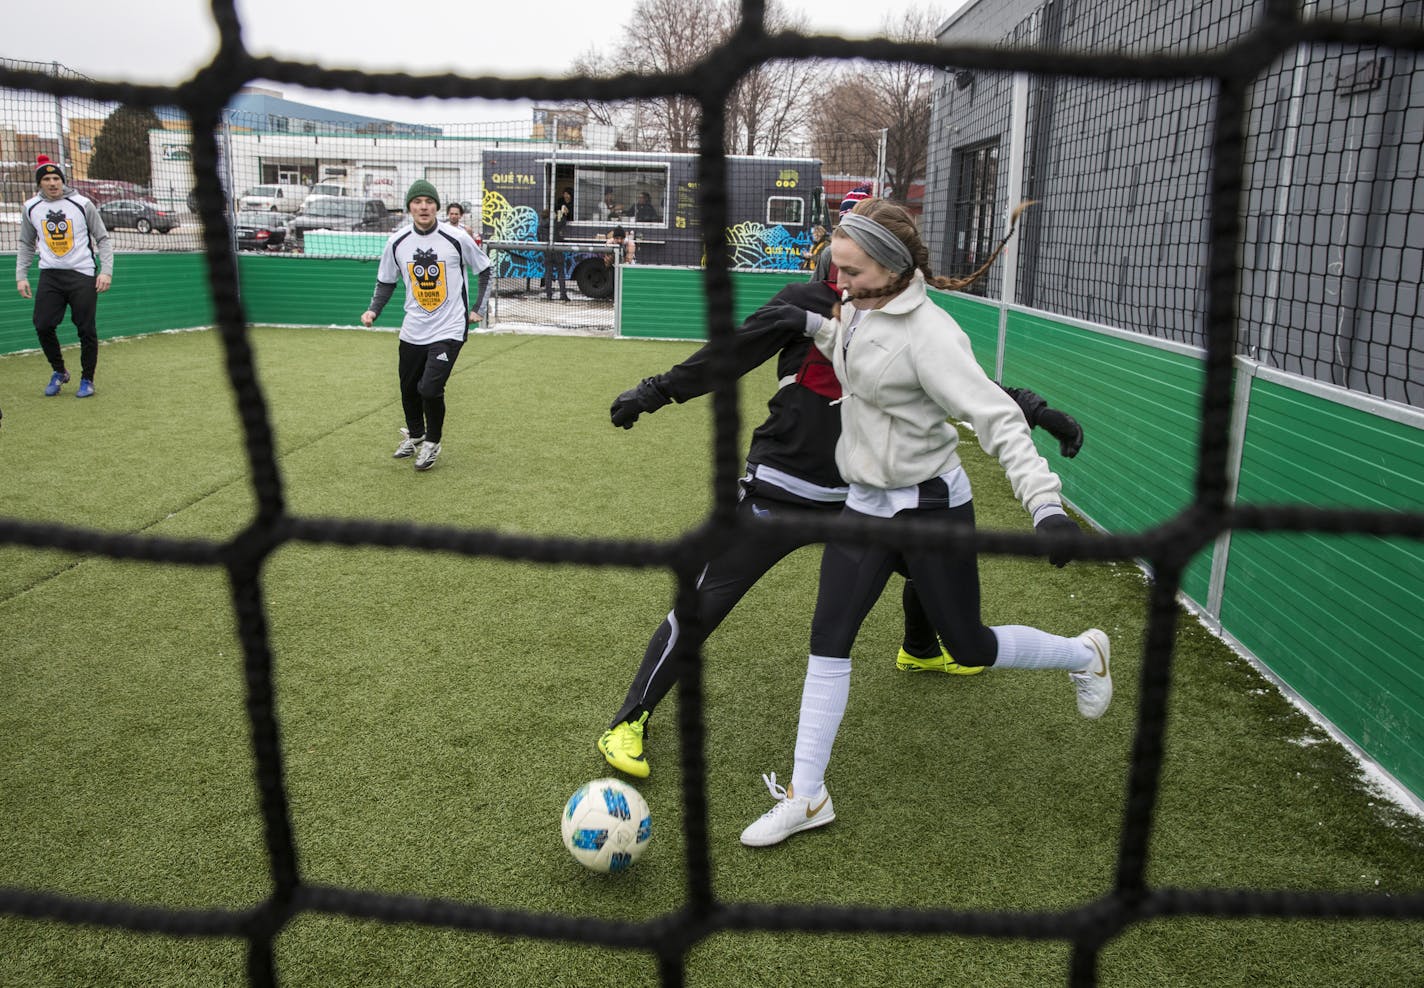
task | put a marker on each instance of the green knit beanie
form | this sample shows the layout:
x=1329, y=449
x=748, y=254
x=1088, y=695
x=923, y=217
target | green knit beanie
x=420, y=187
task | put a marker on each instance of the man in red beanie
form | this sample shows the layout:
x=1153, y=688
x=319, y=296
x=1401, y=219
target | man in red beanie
x=76, y=264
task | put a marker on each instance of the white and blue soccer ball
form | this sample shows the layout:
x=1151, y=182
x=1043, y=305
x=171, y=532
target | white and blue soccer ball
x=606, y=825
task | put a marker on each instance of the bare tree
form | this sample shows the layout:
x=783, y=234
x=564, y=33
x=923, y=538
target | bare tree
x=664, y=36
x=594, y=64
x=768, y=111
x=893, y=97
x=906, y=98
x=842, y=150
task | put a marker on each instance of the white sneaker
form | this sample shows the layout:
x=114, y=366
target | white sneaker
x=407, y=445
x=425, y=459
x=790, y=815
x=1094, y=684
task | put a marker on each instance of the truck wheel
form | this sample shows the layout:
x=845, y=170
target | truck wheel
x=594, y=278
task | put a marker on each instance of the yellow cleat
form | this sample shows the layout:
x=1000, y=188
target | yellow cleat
x=622, y=747
x=940, y=663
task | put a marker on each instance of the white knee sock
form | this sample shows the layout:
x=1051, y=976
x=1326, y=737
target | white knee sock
x=1022, y=647
x=823, y=703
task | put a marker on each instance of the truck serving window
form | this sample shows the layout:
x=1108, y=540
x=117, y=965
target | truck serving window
x=635, y=195
x=785, y=211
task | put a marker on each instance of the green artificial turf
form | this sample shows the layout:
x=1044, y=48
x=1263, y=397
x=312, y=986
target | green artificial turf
x=436, y=710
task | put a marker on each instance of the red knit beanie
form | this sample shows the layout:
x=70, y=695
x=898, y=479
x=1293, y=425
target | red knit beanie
x=43, y=167
x=854, y=196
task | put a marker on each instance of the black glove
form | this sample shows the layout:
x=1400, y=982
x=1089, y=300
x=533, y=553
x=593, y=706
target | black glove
x=1057, y=525
x=1064, y=428
x=646, y=397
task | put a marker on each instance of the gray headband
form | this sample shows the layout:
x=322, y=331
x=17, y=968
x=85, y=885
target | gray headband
x=883, y=246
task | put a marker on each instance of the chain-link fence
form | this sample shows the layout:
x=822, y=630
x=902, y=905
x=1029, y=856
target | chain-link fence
x=1332, y=244
x=558, y=199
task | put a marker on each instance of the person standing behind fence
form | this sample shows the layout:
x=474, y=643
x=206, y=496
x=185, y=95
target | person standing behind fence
x=553, y=259
x=434, y=260
x=821, y=263
x=455, y=216
x=624, y=243
x=76, y=265
x=563, y=212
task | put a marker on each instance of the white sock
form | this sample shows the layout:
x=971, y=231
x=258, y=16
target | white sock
x=1022, y=647
x=823, y=703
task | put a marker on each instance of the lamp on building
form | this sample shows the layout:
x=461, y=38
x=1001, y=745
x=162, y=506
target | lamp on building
x=963, y=79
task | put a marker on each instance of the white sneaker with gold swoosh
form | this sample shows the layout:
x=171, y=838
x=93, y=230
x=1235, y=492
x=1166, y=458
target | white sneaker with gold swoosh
x=1094, y=684
x=790, y=815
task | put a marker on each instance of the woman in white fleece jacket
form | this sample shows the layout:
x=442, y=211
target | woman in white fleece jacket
x=904, y=366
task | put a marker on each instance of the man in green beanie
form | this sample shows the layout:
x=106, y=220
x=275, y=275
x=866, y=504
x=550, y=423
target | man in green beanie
x=434, y=260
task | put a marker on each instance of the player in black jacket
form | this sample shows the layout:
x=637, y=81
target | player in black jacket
x=791, y=467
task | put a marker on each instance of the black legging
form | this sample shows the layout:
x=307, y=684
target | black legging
x=947, y=583
x=725, y=581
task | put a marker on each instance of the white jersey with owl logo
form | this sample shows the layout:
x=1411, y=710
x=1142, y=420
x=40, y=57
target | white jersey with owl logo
x=61, y=230
x=435, y=267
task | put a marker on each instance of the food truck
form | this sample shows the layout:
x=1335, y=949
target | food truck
x=773, y=204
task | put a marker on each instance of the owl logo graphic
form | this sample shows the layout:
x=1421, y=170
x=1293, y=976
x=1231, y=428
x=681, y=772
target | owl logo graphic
x=427, y=280
x=59, y=232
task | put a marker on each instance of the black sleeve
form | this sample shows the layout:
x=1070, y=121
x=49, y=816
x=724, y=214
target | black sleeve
x=762, y=336
x=384, y=291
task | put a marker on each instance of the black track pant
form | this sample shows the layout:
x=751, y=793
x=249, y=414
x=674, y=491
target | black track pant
x=57, y=289
x=947, y=583
x=554, y=268
x=723, y=583
x=424, y=369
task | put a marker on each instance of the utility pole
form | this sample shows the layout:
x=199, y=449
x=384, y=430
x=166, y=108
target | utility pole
x=880, y=152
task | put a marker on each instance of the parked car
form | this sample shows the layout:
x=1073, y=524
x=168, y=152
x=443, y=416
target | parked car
x=192, y=201
x=143, y=215
x=338, y=213
x=283, y=198
x=102, y=190
x=328, y=189
x=260, y=229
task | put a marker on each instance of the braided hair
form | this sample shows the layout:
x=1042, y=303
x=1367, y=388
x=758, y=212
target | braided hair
x=899, y=222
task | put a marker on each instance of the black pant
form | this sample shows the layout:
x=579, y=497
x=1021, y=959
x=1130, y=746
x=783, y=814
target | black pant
x=424, y=369
x=724, y=582
x=947, y=583
x=57, y=289
x=554, y=267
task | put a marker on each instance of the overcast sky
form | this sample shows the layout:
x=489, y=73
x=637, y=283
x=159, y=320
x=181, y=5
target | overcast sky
x=164, y=42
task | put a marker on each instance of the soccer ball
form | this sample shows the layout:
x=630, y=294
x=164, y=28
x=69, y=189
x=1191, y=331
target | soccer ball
x=606, y=825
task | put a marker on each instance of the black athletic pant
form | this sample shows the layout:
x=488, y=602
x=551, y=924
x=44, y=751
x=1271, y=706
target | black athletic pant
x=947, y=583
x=57, y=289
x=724, y=582
x=424, y=369
x=554, y=268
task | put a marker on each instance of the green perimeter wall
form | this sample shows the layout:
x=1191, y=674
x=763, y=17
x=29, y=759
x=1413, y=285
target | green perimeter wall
x=155, y=292
x=671, y=303
x=151, y=292
x=282, y=290
x=1309, y=607
x=1335, y=616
